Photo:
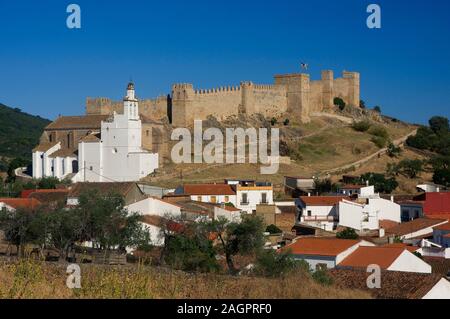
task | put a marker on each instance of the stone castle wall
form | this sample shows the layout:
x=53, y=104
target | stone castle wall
x=294, y=94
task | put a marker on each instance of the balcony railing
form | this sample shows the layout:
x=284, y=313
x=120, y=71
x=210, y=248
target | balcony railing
x=317, y=219
x=245, y=203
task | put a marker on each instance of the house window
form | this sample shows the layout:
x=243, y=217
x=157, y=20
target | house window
x=309, y=213
x=244, y=199
x=264, y=198
x=199, y=198
x=63, y=167
x=213, y=199
x=90, y=168
x=147, y=133
x=227, y=199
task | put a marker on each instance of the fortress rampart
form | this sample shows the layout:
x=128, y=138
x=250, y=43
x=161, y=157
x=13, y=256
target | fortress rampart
x=294, y=94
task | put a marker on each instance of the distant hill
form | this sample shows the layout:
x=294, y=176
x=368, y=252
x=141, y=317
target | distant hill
x=19, y=133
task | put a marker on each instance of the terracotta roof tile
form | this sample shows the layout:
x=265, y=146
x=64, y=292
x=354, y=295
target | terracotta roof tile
x=21, y=203
x=387, y=224
x=320, y=246
x=44, y=147
x=402, y=245
x=121, y=188
x=77, y=122
x=208, y=189
x=413, y=226
x=66, y=152
x=395, y=285
x=322, y=200
x=365, y=256
x=445, y=226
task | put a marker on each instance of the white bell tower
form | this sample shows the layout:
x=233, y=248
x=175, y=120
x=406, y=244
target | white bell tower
x=130, y=103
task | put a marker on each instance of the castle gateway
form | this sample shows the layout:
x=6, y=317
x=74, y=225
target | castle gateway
x=295, y=94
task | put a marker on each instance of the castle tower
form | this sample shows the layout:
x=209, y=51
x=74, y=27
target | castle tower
x=353, y=82
x=248, y=99
x=182, y=97
x=327, y=88
x=130, y=103
x=298, y=94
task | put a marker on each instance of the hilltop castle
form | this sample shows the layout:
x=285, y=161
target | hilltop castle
x=294, y=94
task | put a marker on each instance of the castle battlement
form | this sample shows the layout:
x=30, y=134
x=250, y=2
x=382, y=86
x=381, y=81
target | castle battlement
x=294, y=94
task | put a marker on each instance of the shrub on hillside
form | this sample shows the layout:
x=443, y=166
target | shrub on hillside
x=379, y=131
x=322, y=277
x=270, y=263
x=380, y=142
x=361, y=126
x=393, y=151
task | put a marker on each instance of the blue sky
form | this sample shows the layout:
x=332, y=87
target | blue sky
x=48, y=69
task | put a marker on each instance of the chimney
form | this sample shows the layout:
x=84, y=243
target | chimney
x=438, y=189
x=367, y=183
x=309, y=194
x=392, y=198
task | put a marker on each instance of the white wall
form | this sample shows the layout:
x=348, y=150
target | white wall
x=440, y=291
x=254, y=198
x=357, y=216
x=408, y=262
x=153, y=206
x=386, y=209
x=220, y=199
x=232, y=216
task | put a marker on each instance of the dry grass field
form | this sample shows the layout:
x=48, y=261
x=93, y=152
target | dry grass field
x=28, y=279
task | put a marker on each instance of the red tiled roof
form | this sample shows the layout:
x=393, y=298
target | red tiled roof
x=320, y=246
x=387, y=224
x=365, y=256
x=21, y=203
x=445, y=226
x=322, y=200
x=26, y=193
x=231, y=209
x=394, y=284
x=77, y=122
x=159, y=221
x=208, y=189
x=402, y=245
x=413, y=226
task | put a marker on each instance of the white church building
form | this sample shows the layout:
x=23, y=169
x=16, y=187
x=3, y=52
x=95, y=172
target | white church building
x=114, y=154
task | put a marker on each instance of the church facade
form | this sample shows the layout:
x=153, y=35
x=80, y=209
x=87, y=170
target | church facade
x=100, y=149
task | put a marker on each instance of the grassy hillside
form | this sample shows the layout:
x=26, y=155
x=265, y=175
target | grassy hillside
x=19, y=133
x=323, y=144
x=27, y=279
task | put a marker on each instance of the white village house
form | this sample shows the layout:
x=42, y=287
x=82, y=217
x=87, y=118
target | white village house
x=114, y=154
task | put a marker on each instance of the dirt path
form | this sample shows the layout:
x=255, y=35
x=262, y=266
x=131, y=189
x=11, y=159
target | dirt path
x=398, y=142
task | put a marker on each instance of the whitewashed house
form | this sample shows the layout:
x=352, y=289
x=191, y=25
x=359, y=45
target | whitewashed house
x=323, y=252
x=244, y=195
x=155, y=212
x=319, y=211
x=387, y=258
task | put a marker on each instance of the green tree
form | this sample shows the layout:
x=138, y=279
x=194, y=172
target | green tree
x=411, y=168
x=439, y=125
x=347, y=233
x=272, y=229
x=380, y=182
x=393, y=151
x=442, y=176
x=362, y=104
x=339, y=103
x=244, y=238
x=377, y=109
